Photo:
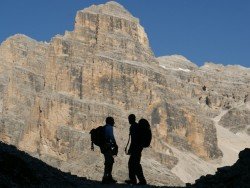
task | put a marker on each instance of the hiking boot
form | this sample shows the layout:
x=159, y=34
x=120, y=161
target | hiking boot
x=108, y=180
x=105, y=181
x=111, y=180
x=142, y=183
x=132, y=182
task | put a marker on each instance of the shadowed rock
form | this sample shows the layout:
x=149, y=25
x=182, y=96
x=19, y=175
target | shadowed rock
x=237, y=175
x=18, y=169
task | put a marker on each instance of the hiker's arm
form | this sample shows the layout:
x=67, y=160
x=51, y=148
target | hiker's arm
x=110, y=134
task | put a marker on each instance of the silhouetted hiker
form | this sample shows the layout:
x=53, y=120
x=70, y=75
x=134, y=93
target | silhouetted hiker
x=135, y=149
x=109, y=149
x=103, y=137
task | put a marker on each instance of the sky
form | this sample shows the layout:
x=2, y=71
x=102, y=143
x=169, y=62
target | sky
x=201, y=30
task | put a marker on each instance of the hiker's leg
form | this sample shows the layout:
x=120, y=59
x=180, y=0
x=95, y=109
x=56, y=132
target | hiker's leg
x=138, y=167
x=131, y=168
x=105, y=174
x=110, y=166
x=109, y=161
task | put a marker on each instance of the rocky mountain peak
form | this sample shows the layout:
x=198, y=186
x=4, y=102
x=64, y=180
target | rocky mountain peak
x=113, y=32
x=111, y=8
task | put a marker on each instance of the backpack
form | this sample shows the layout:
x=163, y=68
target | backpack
x=145, y=132
x=97, y=136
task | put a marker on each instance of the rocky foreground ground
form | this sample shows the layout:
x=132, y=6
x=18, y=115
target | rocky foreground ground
x=18, y=169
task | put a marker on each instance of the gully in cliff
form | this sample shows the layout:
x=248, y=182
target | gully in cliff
x=103, y=137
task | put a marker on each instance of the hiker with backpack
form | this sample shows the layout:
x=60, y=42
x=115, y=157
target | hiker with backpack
x=140, y=135
x=103, y=137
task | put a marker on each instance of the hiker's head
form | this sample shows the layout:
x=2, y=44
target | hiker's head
x=131, y=118
x=110, y=121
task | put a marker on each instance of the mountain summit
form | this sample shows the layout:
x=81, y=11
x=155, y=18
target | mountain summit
x=111, y=8
x=113, y=31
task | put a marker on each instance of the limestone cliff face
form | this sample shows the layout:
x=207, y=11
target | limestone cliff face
x=215, y=86
x=52, y=94
x=237, y=119
x=213, y=92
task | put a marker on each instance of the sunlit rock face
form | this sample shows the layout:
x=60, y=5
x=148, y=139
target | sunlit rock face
x=52, y=94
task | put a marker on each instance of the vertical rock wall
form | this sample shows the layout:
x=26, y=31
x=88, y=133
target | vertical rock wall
x=53, y=94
